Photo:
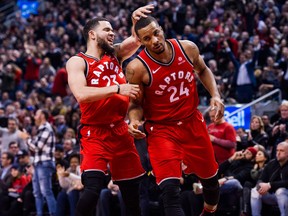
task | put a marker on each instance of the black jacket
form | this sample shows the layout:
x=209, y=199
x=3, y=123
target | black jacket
x=275, y=174
x=239, y=169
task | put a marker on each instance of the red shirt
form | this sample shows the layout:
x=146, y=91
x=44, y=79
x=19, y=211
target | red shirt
x=171, y=94
x=223, y=131
x=101, y=73
x=32, y=68
x=60, y=83
x=20, y=183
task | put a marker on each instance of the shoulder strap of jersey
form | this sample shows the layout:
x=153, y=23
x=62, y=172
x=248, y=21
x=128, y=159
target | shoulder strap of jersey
x=86, y=64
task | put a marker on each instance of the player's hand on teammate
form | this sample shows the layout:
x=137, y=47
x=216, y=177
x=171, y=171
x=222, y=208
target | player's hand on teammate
x=217, y=104
x=142, y=12
x=130, y=90
x=133, y=129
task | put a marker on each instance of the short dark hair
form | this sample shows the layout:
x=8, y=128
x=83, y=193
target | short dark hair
x=46, y=113
x=143, y=22
x=91, y=24
x=12, y=143
x=10, y=156
x=13, y=119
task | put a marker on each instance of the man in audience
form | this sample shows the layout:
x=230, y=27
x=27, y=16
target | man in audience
x=272, y=186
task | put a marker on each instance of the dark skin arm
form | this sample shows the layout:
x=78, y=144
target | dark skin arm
x=206, y=77
x=136, y=73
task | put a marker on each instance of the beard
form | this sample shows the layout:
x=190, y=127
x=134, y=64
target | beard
x=105, y=46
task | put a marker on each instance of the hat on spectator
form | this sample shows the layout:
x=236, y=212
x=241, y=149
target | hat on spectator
x=59, y=147
x=15, y=166
x=252, y=150
x=22, y=153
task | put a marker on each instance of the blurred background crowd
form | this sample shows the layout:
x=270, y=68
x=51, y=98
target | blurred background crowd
x=235, y=37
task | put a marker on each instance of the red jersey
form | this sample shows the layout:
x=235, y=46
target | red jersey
x=171, y=94
x=101, y=73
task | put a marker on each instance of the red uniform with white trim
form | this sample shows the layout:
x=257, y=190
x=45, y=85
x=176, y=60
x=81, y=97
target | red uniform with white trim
x=176, y=130
x=103, y=133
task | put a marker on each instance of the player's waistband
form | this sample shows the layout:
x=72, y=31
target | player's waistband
x=105, y=125
x=174, y=122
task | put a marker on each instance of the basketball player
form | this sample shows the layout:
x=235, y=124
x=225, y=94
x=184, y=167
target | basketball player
x=97, y=81
x=166, y=71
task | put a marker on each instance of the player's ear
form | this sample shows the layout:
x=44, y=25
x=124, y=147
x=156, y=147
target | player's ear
x=92, y=34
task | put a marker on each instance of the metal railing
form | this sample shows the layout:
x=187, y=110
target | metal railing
x=275, y=91
x=7, y=7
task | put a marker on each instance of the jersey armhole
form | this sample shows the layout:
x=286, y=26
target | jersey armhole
x=183, y=51
x=86, y=68
x=148, y=70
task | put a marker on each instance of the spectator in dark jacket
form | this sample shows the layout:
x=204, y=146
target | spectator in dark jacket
x=272, y=187
x=257, y=134
x=280, y=128
x=236, y=170
x=244, y=78
x=261, y=160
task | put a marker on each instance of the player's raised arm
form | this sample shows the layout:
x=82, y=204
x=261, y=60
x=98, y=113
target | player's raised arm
x=130, y=45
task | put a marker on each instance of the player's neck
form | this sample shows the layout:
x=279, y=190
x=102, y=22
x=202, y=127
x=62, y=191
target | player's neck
x=95, y=52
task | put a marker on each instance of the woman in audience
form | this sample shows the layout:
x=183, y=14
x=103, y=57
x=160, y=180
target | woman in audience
x=70, y=182
x=261, y=159
x=257, y=134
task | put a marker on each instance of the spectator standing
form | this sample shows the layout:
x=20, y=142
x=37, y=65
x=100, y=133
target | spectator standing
x=33, y=62
x=283, y=65
x=11, y=134
x=244, y=79
x=43, y=146
x=60, y=83
x=223, y=137
x=46, y=69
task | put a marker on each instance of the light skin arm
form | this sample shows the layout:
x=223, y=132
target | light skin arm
x=206, y=77
x=136, y=73
x=77, y=82
x=131, y=44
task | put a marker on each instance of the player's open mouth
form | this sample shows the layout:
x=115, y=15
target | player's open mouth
x=111, y=40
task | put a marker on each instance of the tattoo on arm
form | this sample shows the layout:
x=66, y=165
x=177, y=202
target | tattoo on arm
x=130, y=74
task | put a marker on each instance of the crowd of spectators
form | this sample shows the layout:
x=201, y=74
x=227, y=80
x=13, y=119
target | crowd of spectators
x=244, y=43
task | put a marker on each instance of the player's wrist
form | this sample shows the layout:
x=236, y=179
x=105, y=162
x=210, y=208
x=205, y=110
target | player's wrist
x=117, y=89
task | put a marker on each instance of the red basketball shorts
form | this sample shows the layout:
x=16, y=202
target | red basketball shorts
x=110, y=144
x=181, y=144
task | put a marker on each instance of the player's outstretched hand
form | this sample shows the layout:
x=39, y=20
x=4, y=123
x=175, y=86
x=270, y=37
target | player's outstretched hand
x=134, y=131
x=130, y=90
